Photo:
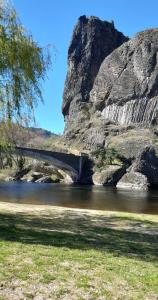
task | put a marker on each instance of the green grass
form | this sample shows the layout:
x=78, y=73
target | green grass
x=72, y=254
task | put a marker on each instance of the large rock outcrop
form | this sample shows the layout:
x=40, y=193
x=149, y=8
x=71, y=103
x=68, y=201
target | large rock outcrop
x=92, y=41
x=111, y=86
x=126, y=87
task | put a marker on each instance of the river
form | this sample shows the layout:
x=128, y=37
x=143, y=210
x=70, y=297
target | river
x=89, y=197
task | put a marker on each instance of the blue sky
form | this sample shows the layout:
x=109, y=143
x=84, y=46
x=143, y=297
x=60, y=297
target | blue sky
x=52, y=22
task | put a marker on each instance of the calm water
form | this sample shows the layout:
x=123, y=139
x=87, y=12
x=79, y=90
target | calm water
x=90, y=197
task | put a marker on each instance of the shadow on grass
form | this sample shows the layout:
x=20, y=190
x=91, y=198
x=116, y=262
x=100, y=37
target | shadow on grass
x=79, y=231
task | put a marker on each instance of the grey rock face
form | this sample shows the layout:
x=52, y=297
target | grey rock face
x=147, y=164
x=133, y=181
x=111, y=85
x=143, y=173
x=126, y=87
x=92, y=41
x=110, y=176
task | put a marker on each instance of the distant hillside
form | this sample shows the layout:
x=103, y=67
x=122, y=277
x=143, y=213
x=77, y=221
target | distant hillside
x=42, y=132
x=42, y=139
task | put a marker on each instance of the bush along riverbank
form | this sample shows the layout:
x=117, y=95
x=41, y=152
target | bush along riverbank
x=56, y=253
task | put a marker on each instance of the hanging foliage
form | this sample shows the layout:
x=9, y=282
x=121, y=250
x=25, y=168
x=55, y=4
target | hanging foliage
x=23, y=66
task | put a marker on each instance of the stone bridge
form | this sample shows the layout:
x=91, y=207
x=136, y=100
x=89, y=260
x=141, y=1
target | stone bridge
x=69, y=163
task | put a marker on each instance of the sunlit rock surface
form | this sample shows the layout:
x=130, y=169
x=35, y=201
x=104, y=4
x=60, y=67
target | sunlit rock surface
x=147, y=164
x=109, y=176
x=92, y=40
x=111, y=86
x=142, y=111
x=126, y=87
x=133, y=181
x=143, y=173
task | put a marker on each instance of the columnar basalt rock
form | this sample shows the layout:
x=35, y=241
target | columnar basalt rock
x=126, y=87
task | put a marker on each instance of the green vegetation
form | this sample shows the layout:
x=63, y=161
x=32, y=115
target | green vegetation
x=107, y=156
x=11, y=135
x=60, y=253
x=5, y=154
x=6, y=173
x=23, y=64
x=55, y=178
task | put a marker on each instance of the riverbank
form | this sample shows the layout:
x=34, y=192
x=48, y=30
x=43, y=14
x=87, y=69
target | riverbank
x=59, y=253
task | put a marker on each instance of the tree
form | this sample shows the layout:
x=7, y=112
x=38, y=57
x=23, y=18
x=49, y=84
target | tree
x=23, y=66
x=14, y=134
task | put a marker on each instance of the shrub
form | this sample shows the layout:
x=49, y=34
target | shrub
x=106, y=156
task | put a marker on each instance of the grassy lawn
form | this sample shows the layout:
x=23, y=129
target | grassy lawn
x=55, y=253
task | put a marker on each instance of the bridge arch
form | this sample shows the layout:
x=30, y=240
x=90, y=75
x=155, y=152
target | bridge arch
x=71, y=164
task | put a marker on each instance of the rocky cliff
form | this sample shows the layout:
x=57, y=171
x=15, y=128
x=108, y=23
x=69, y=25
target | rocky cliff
x=126, y=87
x=92, y=41
x=111, y=85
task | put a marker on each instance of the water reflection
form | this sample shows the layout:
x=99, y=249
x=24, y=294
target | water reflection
x=90, y=197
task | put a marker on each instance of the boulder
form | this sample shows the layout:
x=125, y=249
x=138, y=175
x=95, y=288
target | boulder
x=133, y=181
x=147, y=164
x=110, y=176
x=143, y=173
x=33, y=177
x=67, y=177
x=27, y=178
x=36, y=175
x=43, y=168
x=44, y=179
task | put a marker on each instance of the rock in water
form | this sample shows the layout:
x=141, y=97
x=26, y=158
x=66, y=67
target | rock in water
x=143, y=173
x=44, y=179
x=147, y=164
x=92, y=41
x=133, y=181
x=110, y=176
